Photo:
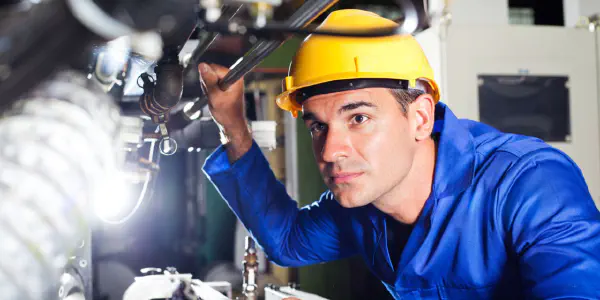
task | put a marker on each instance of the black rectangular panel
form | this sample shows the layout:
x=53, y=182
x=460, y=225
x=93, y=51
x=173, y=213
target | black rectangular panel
x=536, y=106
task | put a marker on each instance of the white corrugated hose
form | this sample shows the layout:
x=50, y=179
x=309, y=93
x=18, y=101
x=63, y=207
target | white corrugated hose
x=59, y=150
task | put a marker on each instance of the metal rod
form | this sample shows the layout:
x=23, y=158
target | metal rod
x=309, y=11
x=228, y=12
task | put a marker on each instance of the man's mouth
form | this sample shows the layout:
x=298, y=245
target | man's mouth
x=338, y=178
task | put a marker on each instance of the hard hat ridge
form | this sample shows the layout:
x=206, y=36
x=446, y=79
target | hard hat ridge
x=396, y=61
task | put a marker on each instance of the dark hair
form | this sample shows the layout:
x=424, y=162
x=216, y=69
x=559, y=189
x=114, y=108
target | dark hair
x=405, y=97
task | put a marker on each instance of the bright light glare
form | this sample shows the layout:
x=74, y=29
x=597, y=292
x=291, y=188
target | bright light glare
x=120, y=46
x=116, y=54
x=112, y=59
x=236, y=63
x=114, y=198
x=411, y=19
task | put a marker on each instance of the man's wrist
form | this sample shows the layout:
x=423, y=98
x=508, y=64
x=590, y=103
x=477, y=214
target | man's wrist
x=233, y=133
x=237, y=142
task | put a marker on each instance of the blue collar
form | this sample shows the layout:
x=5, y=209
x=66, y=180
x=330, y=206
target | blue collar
x=456, y=154
x=455, y=163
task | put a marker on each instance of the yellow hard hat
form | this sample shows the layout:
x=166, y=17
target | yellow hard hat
x=337, y=60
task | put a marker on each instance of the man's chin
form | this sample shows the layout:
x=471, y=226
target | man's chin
x=349, y=199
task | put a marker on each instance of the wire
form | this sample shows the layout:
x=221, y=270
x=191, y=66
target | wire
x=96, y=20
x=142, y=195
x=278, y=31
x=144, y=76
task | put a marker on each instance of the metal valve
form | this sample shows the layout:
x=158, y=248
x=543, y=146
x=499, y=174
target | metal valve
x=161, y=95
x=250, y=270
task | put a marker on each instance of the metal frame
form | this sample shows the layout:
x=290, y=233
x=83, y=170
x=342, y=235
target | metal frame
x=301, y=17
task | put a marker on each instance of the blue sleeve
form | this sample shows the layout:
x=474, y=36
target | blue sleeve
x=553, y=228
x=289, y=236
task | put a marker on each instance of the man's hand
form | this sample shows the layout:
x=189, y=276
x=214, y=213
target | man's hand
x=227, y=109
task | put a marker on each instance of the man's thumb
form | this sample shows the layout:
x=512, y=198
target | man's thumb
x=208, y=75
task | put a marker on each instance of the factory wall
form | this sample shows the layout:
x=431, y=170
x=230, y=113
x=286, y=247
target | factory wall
x=574, y=9
x=468, y=56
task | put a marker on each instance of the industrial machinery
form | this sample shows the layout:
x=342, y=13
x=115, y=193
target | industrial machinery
x=504, y=80
x=250, y=268
x=74, y=137
x=172, y=285
x=289, y=292
x=96, y=92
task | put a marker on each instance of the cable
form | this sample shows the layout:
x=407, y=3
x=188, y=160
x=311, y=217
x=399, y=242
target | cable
x=279, y=31
x=142, y=195
x=98, y=21
x=88, y=13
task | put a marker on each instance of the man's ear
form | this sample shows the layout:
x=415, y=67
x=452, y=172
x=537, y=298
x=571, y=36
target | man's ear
x=424, y=86
x=423, y=108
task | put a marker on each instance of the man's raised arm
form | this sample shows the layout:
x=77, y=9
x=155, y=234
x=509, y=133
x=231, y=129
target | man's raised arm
x=240, y=172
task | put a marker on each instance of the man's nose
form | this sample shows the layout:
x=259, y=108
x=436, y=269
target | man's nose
x=336, y=146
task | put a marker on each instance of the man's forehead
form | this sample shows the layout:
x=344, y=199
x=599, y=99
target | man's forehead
x=341, y=98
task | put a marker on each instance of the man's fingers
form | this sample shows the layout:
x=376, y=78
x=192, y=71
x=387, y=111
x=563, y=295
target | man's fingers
x=221, y=71
x=208, y=75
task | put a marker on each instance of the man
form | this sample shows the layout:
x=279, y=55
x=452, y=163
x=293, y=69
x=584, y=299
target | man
x=437, y=207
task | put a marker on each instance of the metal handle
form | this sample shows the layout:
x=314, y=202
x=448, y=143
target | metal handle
x=302, y=17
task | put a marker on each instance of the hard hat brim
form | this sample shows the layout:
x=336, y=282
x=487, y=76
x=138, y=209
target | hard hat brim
x=289, y=99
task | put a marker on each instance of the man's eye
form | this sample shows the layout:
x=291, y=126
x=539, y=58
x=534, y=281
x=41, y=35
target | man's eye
x=359, y=119
x=317, y=127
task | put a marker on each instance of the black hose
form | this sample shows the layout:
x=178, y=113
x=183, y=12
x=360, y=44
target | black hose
x=33, y=43
x=281, y=31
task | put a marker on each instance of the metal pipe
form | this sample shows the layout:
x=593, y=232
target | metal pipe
x=169, y=84
x=228, y=12
x=309, y=11
x=250, y=270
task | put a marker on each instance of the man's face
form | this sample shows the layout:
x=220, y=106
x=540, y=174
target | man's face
x=362, y=141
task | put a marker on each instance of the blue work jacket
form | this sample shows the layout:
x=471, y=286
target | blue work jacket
x=509, y=217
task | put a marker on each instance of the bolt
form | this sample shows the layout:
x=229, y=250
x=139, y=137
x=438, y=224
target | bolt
x=83, y=263
x=61, y=291
x=233, y=27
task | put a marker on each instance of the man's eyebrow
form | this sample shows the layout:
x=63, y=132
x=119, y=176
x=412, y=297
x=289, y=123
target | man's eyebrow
x=308, y=116
x=355, y=105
